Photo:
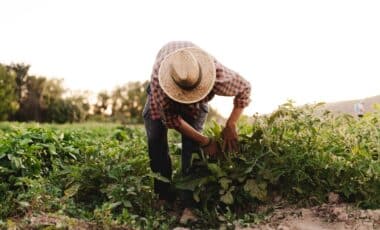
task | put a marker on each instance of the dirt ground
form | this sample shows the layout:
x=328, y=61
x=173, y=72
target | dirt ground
x=333, y=215
x=323, y=217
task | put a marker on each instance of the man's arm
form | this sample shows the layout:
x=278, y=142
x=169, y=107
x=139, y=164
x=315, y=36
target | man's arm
x=230, y=135
x=191, y=133
x=230, y=83
x=172, y=120
x=209, y=146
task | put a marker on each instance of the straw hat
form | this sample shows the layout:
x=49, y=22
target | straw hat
x=187, y=75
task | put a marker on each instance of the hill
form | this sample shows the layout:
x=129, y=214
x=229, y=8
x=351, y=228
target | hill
x=348, y=106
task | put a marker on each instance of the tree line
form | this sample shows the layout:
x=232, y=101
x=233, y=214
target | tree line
x=25, y=97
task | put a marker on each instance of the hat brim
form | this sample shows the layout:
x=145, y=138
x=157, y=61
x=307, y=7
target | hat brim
x=175, y=92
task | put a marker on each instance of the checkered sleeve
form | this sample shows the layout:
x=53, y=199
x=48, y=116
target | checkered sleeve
x=230, y=83
x=162, y=107
x=168, y=114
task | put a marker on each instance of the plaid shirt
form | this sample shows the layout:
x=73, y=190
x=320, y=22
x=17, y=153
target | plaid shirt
x=227, y=83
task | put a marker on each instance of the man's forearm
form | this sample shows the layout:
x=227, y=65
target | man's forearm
x=229, y=132
x=192, y=133
x=234, y=116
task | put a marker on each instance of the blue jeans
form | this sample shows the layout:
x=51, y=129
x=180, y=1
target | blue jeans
x=158, y=148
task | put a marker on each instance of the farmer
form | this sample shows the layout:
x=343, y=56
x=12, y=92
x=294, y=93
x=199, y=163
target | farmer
x=184, y=79
x=359, y=109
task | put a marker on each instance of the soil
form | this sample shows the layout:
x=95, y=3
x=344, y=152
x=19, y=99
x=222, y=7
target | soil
x=323, y=217
x=333, y=215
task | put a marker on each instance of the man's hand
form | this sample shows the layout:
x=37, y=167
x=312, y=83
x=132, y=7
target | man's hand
x=229, y=134
x=230, y=138
x=211, y=148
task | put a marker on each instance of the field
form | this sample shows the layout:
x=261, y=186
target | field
x=97, y=175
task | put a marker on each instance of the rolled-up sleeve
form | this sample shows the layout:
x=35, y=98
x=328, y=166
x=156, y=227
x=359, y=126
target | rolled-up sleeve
x=230, y=83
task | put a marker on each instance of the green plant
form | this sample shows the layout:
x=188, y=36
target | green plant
x=100, y=173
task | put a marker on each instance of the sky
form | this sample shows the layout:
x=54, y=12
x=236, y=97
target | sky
x=307, y=51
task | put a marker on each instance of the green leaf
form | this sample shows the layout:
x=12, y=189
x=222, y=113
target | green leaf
x=191, y=184
x=256, y=190
x=227, y=198
x=5, y=170
x=25, y=141
x=71, y=149
x=195, y=156
x=196, y=195
x=72, y=190
x=16, y=162
x=216, y=170
x=73, y=156
x=157, y=176
x=52, y=149
x=249, y=169
x=298, y=189
x=224, y=182
x=127, y=204
x=114, y=205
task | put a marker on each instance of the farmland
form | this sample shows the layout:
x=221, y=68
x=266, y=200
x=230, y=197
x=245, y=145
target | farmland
x=98, y=175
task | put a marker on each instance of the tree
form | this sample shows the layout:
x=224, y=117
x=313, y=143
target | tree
x=44, y=102
x=102, y=104
x=8, y=102
x=81, y=105
x=127, y=102
x=62, y=111
x=52, y=90
x=32, y=98
x=21, y=72
x=30, y=107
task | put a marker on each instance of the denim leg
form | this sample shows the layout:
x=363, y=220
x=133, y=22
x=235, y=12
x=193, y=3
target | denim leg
x=158, y=149
x=188, y=148
x=188, y=145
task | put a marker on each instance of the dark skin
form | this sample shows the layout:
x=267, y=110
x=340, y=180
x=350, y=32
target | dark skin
x=230, y=135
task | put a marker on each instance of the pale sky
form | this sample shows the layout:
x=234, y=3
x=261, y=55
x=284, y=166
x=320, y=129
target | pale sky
x=308, y=51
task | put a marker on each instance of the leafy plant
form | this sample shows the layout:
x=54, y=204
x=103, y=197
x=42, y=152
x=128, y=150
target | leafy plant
x=101, y=173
